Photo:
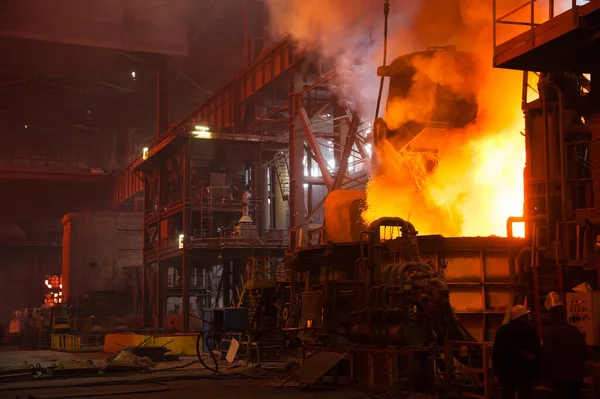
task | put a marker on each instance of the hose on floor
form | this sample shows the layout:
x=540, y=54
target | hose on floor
x=206, y=337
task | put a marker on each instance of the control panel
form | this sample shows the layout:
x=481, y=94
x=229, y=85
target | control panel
x=583, y=311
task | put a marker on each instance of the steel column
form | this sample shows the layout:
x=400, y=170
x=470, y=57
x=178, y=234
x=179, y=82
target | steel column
x=296, y=150
x=314, y=145
x=349, y=143
x=186, y=274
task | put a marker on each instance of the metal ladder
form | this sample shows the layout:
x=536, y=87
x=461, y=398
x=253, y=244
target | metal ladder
x=206, y=213
x=282, y=172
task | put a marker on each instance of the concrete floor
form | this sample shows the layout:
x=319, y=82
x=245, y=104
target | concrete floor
x=213, y=389
x=15, y=358
x=191, y=381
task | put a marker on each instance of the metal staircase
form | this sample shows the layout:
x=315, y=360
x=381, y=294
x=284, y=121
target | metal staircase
x=206, y=213
x=261, y=273
x=282, y=172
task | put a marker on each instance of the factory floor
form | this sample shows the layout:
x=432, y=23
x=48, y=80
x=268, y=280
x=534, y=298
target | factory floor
x=184, y=378
x=214, y=389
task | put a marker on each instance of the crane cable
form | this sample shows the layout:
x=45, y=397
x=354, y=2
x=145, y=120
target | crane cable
x=386, y=13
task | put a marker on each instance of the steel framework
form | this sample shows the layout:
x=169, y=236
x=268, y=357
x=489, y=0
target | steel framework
x=309, y=141
x=562, y=183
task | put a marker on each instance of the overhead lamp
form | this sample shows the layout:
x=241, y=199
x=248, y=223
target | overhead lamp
x=201, y=132
x=145, y=153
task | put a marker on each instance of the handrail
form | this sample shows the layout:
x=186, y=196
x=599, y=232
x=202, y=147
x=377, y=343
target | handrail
x=502, y=20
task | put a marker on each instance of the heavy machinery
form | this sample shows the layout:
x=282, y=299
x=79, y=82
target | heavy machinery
x=376, y=291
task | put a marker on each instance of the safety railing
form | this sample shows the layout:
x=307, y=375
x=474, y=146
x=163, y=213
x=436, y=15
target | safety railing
x=257, y=270
x=472, y=361
x=265, y=269
x=224, y=197
x=50, y=162
x=77, y=343
x=234, y=237
x=537, y=12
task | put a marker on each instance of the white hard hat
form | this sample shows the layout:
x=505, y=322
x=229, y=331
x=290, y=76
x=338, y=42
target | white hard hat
x=518, y=311
x=553, y=300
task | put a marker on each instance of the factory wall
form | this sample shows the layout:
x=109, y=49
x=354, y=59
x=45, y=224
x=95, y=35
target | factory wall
x=100, y=251
x=22, y=272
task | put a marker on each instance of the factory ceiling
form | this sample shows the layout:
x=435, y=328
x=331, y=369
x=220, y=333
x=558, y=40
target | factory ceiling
x=88, y=70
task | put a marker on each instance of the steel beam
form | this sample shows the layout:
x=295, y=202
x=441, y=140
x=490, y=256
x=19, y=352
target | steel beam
x=312, y=142
x=350, y=139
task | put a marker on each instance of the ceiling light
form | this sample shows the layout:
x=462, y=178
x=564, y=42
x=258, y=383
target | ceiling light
x=133, y=74
x=201, y=132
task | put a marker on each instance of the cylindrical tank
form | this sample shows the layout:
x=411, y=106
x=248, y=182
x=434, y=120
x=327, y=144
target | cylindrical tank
x=343, y=215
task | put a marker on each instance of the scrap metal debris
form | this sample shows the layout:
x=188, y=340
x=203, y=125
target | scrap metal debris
x=127, y=361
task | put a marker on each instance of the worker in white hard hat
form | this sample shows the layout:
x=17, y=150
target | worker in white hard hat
x=516, y=355
x=564, y=351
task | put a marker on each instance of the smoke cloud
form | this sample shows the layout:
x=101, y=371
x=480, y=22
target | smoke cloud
x=478, y=180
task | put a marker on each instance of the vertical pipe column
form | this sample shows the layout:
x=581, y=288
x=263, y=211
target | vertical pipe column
x=145, y=209
x=296, y=150
x=227, y=268
x=162, y=95
x=186, y=274
x=162, y=287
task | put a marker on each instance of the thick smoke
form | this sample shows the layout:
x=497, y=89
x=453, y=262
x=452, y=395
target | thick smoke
x=477, y=183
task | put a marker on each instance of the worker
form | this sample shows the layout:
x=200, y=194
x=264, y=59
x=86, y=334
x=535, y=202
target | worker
x=516, y=355
x=564, y=351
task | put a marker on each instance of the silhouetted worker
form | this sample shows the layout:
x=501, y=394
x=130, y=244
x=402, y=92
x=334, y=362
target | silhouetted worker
x=516, y=355
x=564, y=352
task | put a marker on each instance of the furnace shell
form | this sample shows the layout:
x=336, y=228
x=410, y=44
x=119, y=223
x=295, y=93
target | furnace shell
x=343, y=215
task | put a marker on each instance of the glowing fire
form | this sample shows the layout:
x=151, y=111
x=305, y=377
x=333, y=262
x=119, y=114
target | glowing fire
x=475, y=187
x=478, y=181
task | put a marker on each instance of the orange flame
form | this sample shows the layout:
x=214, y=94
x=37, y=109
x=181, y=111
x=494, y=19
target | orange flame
x=478, y=181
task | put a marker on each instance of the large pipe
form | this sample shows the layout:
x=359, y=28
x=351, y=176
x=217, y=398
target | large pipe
x=517, y=278
x=408, y=231
x=563, y=166
x=544, y=98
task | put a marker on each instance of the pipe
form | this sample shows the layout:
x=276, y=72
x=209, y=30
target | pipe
x=543, y=97
x=563, y=167
x=408, y=232
x=512, y=270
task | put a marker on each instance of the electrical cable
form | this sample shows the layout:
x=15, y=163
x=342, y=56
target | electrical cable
x=386, y=12
x=203, y=337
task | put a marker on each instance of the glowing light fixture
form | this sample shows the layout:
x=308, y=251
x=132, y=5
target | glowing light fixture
x=180, y=241
x=201, y=132
x=145, y=153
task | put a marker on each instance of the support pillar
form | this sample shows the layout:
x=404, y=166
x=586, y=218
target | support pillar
x=162, y=287
x=296, y=151
x=226, y=277
x=186, y=274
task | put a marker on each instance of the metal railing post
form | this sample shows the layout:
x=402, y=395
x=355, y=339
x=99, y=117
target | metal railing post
x=494, y=31
x=532, y=23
